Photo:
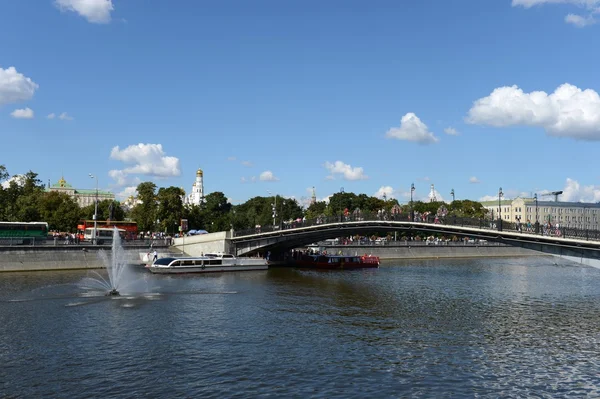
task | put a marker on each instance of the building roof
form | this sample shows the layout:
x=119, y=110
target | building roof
x=63, y=185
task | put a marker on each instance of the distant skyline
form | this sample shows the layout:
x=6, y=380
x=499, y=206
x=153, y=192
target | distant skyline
x=280, y=97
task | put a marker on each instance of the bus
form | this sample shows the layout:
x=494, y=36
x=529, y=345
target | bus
x=104, y=235
x=23, y=232
x=130, y=228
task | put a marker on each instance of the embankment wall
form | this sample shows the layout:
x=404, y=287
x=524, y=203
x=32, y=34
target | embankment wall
x=434, y=251
x=32, y=258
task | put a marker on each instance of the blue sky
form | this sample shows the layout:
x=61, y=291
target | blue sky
x=280, y=96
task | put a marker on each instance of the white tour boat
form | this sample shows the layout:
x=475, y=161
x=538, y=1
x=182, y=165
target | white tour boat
x=208, y=263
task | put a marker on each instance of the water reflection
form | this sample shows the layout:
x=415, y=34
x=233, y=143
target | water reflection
x=487, y=328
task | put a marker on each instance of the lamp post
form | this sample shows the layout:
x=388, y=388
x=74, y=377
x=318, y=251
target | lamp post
x=412, y=213
x=274, y=207
x=500, y=194
x=452, y=194
x=537, y=222
x=95, y=208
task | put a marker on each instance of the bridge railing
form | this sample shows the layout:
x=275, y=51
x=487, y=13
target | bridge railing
x=450, y=220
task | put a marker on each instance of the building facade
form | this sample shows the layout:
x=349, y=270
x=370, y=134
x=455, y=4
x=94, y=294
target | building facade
x=197, y=195
x=84, y=197
x=580, y=215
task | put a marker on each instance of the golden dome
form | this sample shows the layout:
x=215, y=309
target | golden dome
x=199, y=172
x=62, y=182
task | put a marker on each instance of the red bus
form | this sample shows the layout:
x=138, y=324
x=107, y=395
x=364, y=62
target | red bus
x=129, y=227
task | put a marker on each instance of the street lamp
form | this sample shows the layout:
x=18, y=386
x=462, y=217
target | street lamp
x=452, y=194
x=537, y=223
x=500, y=194
x=412, y=213
x=274, y=207
x=95, y=208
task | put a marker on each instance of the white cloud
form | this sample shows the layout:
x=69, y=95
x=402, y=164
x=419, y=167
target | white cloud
x=575, y=192
x=267, y=175
x=231, y=158
x=15, y=87
x=531, y=3
x=387, y=190
x=486, y=198
x=474, y=180
x=412, y=129
x=591, y=6
x=127, y=192
x=95, y=11
x=568, y=112
x=25, y=113
x=19, y=179
x=247, y=163
x=51, y=116
x=451, y=131
x=146, y=159
x=65, y=117
x=347, y=171
x=579, y=21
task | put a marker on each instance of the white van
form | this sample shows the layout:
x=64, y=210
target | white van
x=103, y=235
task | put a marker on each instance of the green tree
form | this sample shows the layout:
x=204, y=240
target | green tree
x=3, y=195
x=466, y=208
x=24, y=198
x=194, y=216
x=170, y=207
x=145, y=212
x=60, y=211
x=215, y=212
x=315, y=210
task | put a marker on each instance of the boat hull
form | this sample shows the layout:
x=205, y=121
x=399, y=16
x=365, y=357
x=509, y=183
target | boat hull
x=205, y=269
x=207, y=264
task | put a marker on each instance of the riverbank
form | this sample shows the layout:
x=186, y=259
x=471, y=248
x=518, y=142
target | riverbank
x=43, y=258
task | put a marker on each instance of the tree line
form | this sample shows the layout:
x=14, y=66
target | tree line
x=162, y=209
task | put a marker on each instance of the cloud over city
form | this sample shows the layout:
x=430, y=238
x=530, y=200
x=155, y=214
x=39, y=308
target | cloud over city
x=15, y=87
x=25, y=113
x=567, y=112
x=339, y=168
x=94, y=11
x=589, y=7
x=148, y=160
x=267, y=175
x=412, y=129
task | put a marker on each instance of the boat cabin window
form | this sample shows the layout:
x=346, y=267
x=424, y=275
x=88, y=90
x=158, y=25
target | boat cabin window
x=212, y=262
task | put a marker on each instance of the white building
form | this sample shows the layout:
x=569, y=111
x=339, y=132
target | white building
x=581, y=215
x=197, y=195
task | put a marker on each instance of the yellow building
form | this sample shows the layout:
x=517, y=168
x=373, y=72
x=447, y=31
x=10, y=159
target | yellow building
x=84, y=197
x=580, y=215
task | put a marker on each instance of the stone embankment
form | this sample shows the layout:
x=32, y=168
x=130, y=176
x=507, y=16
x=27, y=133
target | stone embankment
x=37, y=258
x=433, y=251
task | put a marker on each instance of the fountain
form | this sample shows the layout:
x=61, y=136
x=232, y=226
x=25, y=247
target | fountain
x=119, y=277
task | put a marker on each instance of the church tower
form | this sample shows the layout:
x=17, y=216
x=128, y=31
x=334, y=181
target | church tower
x=432, y=197
x=197, y=194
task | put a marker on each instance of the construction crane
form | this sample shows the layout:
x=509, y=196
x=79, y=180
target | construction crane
x=555, y=193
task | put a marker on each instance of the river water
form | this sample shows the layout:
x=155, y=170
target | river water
x=518, y=327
